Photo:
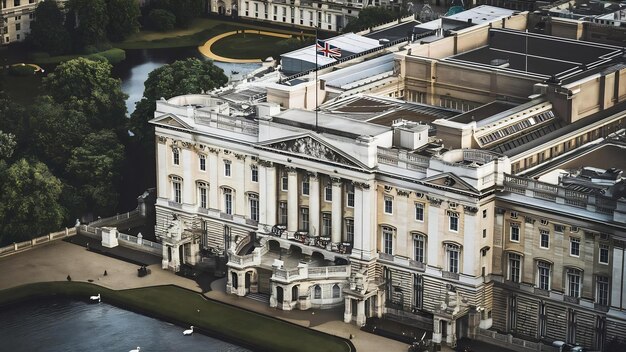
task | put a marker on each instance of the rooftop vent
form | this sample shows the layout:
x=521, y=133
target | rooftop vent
x=502, y=63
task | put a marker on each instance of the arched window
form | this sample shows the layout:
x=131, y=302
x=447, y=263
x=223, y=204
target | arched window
x=336, y=291
x=317, y=292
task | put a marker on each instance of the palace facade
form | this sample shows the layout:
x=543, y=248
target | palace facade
x=457, y=197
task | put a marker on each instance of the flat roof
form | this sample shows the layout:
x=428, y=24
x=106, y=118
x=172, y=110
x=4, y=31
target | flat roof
x=538, y=54
x=349, y=76
x=484, y=111
x=350, y=43
x=329, y=123
x=395, y=32
x=482, y=14
x=603, y=156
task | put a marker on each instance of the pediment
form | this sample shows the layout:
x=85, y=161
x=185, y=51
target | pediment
x=311, y=146
x=450, y=180
x=172, y=121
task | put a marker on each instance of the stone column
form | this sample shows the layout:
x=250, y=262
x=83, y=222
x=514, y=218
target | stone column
x=337, y=211
x=433, y=255
x=360, y=313
x=292, y=199
x=162, y=154
x=164, y=259
x=364, y=212
x=189, y=183
x=437, y=330
x=267, y=193
x=314, y=204
x=470, y=232
x=347, y=311
x=618, y=286
x=241, y=284
x=213, y=170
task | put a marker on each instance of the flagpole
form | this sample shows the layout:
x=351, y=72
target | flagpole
x=315, y=46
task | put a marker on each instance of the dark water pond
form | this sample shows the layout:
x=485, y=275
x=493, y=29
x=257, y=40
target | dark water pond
x=139, y=63
x=65, y=325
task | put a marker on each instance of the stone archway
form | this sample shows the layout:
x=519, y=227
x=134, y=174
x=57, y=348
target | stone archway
x=221, y=8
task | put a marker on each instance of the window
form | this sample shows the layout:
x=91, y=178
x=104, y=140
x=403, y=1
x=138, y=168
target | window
x=255, y=173
x=202, y=195
x=305, y=186
x=228, y=201
x=227, y=168
x=350, y=230
x=512, y=313
x=573, y=282
x=284, y=182
x=543, y=275
x=387, y=240
x=282, y=213
x=603, y=253
x=177, y=195
x=350, y=196
x=419, y=245
x=254, y=207
x=388, y=205
x=326, y=224
x=452, y=257
x=484, y=213
x=418, y=290
x=419, y=211
x=317, y=292
x=574, y=246
x=544, y=238
x=602, y=290
x=484, y=233
x=336, y=291
x=515, y=266
x=514, y=232
x=304, y=219
x=454, y=221
x=542, y=319
x=513, y=215
x=328, y=192
x=176, y=156
x=18, y=26
x=16, y=2
x=202, y=159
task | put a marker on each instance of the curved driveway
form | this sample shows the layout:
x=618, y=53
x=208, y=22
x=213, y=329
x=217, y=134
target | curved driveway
x=206, y=48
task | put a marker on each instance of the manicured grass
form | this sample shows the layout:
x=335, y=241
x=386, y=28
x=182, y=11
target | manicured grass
x=200, y=30
x=181, y=306
x=247, y=46
x=113, y=56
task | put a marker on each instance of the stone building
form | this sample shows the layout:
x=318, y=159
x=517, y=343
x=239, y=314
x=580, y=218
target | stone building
x=420, y=201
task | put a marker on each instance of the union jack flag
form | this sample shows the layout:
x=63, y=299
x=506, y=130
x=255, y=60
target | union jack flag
x=324, y=48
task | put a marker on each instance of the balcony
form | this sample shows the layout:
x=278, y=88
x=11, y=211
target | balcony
x=306, y=239
x=450, y=275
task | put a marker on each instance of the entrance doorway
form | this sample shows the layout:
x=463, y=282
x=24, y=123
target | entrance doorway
x=279, y=294
x=462, y=325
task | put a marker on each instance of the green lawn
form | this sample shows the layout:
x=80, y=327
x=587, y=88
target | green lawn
x=181, y=306
x=247, y=46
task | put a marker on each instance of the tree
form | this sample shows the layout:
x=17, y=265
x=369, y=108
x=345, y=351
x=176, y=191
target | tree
x=123, y=18
x=370, y=17
x=29, y=201
x=183, y=10
x=161, y=20
x=91, y=19
x=7, y=145
x=86, y=86
x=55, y=131
x=47, y=32
x=181, y=77
x=13, y=120
x=94, y=168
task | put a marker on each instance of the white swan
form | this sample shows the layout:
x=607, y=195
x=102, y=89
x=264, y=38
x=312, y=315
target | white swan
x=188, y=332
x=137, y=350
x=95, y=298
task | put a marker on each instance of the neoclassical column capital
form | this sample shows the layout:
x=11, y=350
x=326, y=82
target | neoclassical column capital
x=161, y=139
x=312, y=175
x=336, y=181
x=361, y=185
x=291, y=169
x=470, y=210
x=186, y=145
x=435, y=202
x=213, y=150
x=265, y=163
x=240, y=156
x=403, y=193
